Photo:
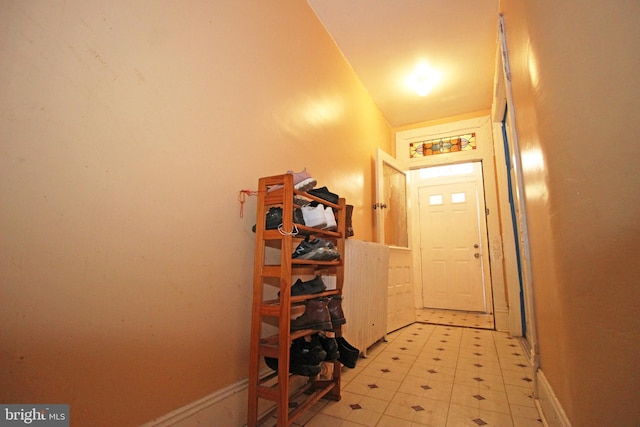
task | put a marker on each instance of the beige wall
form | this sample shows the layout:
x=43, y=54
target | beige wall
x=126, y=131
x=576, y=82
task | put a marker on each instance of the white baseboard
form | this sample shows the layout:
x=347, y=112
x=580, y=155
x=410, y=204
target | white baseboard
x=548, y=404
x=228, y=405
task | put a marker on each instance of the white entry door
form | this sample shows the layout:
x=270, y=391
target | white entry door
x=452, y=239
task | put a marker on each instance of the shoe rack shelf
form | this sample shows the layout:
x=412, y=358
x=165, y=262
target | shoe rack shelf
x=282, y=388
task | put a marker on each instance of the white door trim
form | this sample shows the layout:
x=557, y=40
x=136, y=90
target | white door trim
x=503, y=99
x=482, y=126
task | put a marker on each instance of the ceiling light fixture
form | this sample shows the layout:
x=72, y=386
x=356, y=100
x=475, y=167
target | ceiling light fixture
x=423, y=79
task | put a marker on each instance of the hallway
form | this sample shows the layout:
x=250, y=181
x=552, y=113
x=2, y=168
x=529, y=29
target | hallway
x=435, y=375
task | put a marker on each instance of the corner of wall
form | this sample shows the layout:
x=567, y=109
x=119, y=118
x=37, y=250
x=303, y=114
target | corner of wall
x=548, y=404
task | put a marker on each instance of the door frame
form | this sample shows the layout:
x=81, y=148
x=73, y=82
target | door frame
x=483, y=127
x=522, y=288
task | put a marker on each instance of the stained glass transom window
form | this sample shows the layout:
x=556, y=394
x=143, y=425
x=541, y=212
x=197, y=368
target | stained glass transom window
x=451, y=144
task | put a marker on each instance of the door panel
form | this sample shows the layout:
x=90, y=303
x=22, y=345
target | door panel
x=451, y=243
x=392, y=230
x=401, y=310
x=391, y=201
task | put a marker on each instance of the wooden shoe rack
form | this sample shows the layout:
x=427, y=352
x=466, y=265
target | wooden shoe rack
x=290, y=393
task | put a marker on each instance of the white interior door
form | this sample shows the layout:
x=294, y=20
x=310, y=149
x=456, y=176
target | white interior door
x=452, y=240
x=391, y=201
x=392, y=230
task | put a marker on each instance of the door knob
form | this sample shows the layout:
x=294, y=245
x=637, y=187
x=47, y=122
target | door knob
x=476, y=246
x=477, y=255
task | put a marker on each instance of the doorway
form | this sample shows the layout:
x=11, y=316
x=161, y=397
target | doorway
x=485, y=225
x=453, y=238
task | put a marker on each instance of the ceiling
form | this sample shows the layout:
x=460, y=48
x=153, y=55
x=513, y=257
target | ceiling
x=383, y=40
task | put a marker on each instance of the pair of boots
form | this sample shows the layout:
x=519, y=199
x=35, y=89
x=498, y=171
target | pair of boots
x=304, y=357
x=322, y=314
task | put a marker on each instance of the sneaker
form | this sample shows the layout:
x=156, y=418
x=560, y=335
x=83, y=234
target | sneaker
x=302, y=181
x=314, y=216
x=330, y=218
x=306, y=246
x=274, y=218
x=317, y=249
x=314, y=286
x=325, y=194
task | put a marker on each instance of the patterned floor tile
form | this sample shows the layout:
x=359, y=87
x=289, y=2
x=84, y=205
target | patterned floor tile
x=323, y=420
x=357, y=409
x=387, y=421
x=440, y=373
x=416, y=409
x=518, y=378
x=464, y=416
x=483, y=381
x=379, y=388
x=522, y=396
x=435, y=375
x=475, y=397
x=386, y=371
x=431, y=388
x=455, y=318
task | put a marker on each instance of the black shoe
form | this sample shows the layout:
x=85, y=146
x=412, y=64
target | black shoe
x=273, y=218
x=314, y=286
x=330, y=346
x=325, y=194
x=303, y=370
x=317, y=249
x=304, y=357
x=348, y=353
x=307, y=353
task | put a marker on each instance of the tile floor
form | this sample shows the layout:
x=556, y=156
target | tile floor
x=434, y=375
x=455, y=318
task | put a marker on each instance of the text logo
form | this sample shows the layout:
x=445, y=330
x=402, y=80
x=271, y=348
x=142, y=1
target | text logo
x=34, y=415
